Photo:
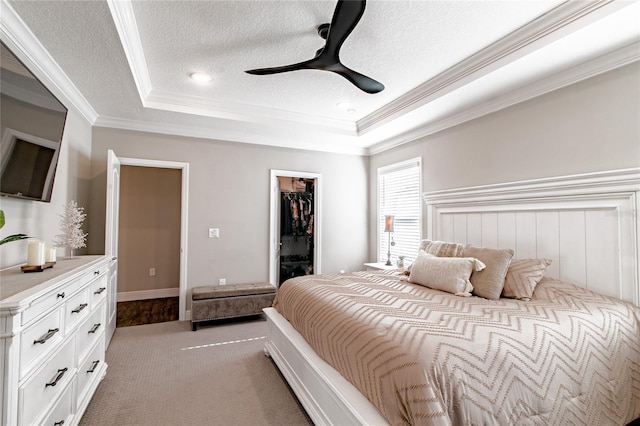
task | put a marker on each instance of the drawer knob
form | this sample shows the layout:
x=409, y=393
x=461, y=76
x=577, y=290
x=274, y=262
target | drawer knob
x=79, y=308
x=57, y=378
x=60, y=423
x=47, y=336
x=94, y=365
x=61, y=295
x=100, y=290
x=96, y=273
x=94, y=328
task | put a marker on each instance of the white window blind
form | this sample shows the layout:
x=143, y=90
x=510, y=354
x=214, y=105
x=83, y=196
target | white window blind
x=399, y=195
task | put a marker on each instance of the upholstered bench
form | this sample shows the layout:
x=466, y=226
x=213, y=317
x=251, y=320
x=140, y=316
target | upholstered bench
x=229, y=301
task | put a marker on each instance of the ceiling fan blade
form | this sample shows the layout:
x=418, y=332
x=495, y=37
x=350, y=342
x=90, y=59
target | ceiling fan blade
x=275, y=70
x=361, y=81
x=346, y=16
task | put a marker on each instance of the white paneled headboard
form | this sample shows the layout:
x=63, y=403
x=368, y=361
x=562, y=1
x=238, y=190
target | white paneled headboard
x=587, y=224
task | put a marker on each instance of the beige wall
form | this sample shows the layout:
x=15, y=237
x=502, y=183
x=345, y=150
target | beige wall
x=149, y=228
x=590, y=126
x=41, y=220
x=229, y=189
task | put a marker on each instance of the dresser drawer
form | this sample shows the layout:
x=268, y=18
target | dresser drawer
x=90, y=371
x=44, y=303
x=76, y=309
x=99, y=290
x=98, y=271
x=62, y=411
x=38, y=393
x=90, y=331
x=63, y=293
x=39, y=339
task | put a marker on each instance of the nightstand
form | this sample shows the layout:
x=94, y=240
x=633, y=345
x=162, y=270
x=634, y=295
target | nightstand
x=380, y=266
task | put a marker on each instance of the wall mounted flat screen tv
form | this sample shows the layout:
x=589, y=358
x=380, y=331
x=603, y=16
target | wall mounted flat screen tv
x=32, y=125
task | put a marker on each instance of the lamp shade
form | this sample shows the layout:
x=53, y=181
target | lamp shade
x=388, y=223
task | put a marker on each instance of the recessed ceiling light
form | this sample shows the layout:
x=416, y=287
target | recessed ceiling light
x=200, y=77
x=346, y=107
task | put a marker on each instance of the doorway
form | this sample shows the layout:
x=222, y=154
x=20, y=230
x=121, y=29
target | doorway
x=149, y=245
x=113, y=210
x=295, y=225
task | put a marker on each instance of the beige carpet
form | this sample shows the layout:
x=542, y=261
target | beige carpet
x=166, y=374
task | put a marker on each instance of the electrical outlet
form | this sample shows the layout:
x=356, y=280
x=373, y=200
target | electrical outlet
x=222, y=281
x=214, y=232
x=152, y=272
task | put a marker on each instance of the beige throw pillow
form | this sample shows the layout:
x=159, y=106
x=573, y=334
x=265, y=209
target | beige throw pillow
x=442, y=249
x=489, y=282
x=450, y=274
x=523, y=276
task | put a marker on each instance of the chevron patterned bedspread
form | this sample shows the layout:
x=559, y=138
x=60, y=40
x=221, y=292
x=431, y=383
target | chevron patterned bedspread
x=425, y=357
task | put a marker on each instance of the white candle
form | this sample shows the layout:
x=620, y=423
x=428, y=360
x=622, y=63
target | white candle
x=35, y=253
x=50, y=254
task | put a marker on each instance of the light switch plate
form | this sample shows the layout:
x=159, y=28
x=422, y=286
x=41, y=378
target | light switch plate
x=214, y=232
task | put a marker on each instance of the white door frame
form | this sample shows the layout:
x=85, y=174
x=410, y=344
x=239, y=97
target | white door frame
x=112, y=215
x=184, y=215
x=274, y=220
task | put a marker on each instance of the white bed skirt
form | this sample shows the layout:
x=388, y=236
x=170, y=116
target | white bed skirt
x=327, y=397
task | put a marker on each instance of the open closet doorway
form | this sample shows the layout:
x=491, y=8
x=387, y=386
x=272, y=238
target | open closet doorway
x=294, y=247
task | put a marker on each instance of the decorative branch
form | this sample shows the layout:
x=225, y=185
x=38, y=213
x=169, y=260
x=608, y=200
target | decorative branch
x=72, y=236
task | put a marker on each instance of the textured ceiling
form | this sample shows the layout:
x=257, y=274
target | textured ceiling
x=441, y=62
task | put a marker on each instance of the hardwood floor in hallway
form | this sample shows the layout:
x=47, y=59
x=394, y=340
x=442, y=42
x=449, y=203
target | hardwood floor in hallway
x=150, y=311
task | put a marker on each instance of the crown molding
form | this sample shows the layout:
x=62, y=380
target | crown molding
x=125, y=21
x=605, y=63
x=237, y=112
x=338, y=146
x=532, y=36
x=24, y=44
x=608, y=62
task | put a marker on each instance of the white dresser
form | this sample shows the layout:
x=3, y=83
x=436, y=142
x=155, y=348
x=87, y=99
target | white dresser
x=52, y=340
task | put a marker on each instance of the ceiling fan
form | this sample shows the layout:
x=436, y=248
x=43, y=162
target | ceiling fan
x=346, y=16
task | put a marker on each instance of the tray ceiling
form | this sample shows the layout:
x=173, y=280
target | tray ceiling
x=127, y=63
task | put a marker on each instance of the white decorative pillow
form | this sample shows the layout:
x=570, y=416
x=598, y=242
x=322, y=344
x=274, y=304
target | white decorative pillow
x=450, y=274
x=523, y=276
x=442, y=249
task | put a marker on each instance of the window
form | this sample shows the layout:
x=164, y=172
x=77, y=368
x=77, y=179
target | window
x=399, y=195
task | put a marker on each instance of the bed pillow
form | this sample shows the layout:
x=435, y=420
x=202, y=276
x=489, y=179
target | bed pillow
x=442, y=249
x=489, y=282
x=523, y=276
x=450, y=274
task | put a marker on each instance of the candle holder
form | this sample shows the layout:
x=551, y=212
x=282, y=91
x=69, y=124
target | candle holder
x=37, y=268
x=39, y=257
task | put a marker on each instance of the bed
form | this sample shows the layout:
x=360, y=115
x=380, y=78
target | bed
x=375, y=348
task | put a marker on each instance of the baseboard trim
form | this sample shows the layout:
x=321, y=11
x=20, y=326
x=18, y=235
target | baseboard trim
x=159, y=293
